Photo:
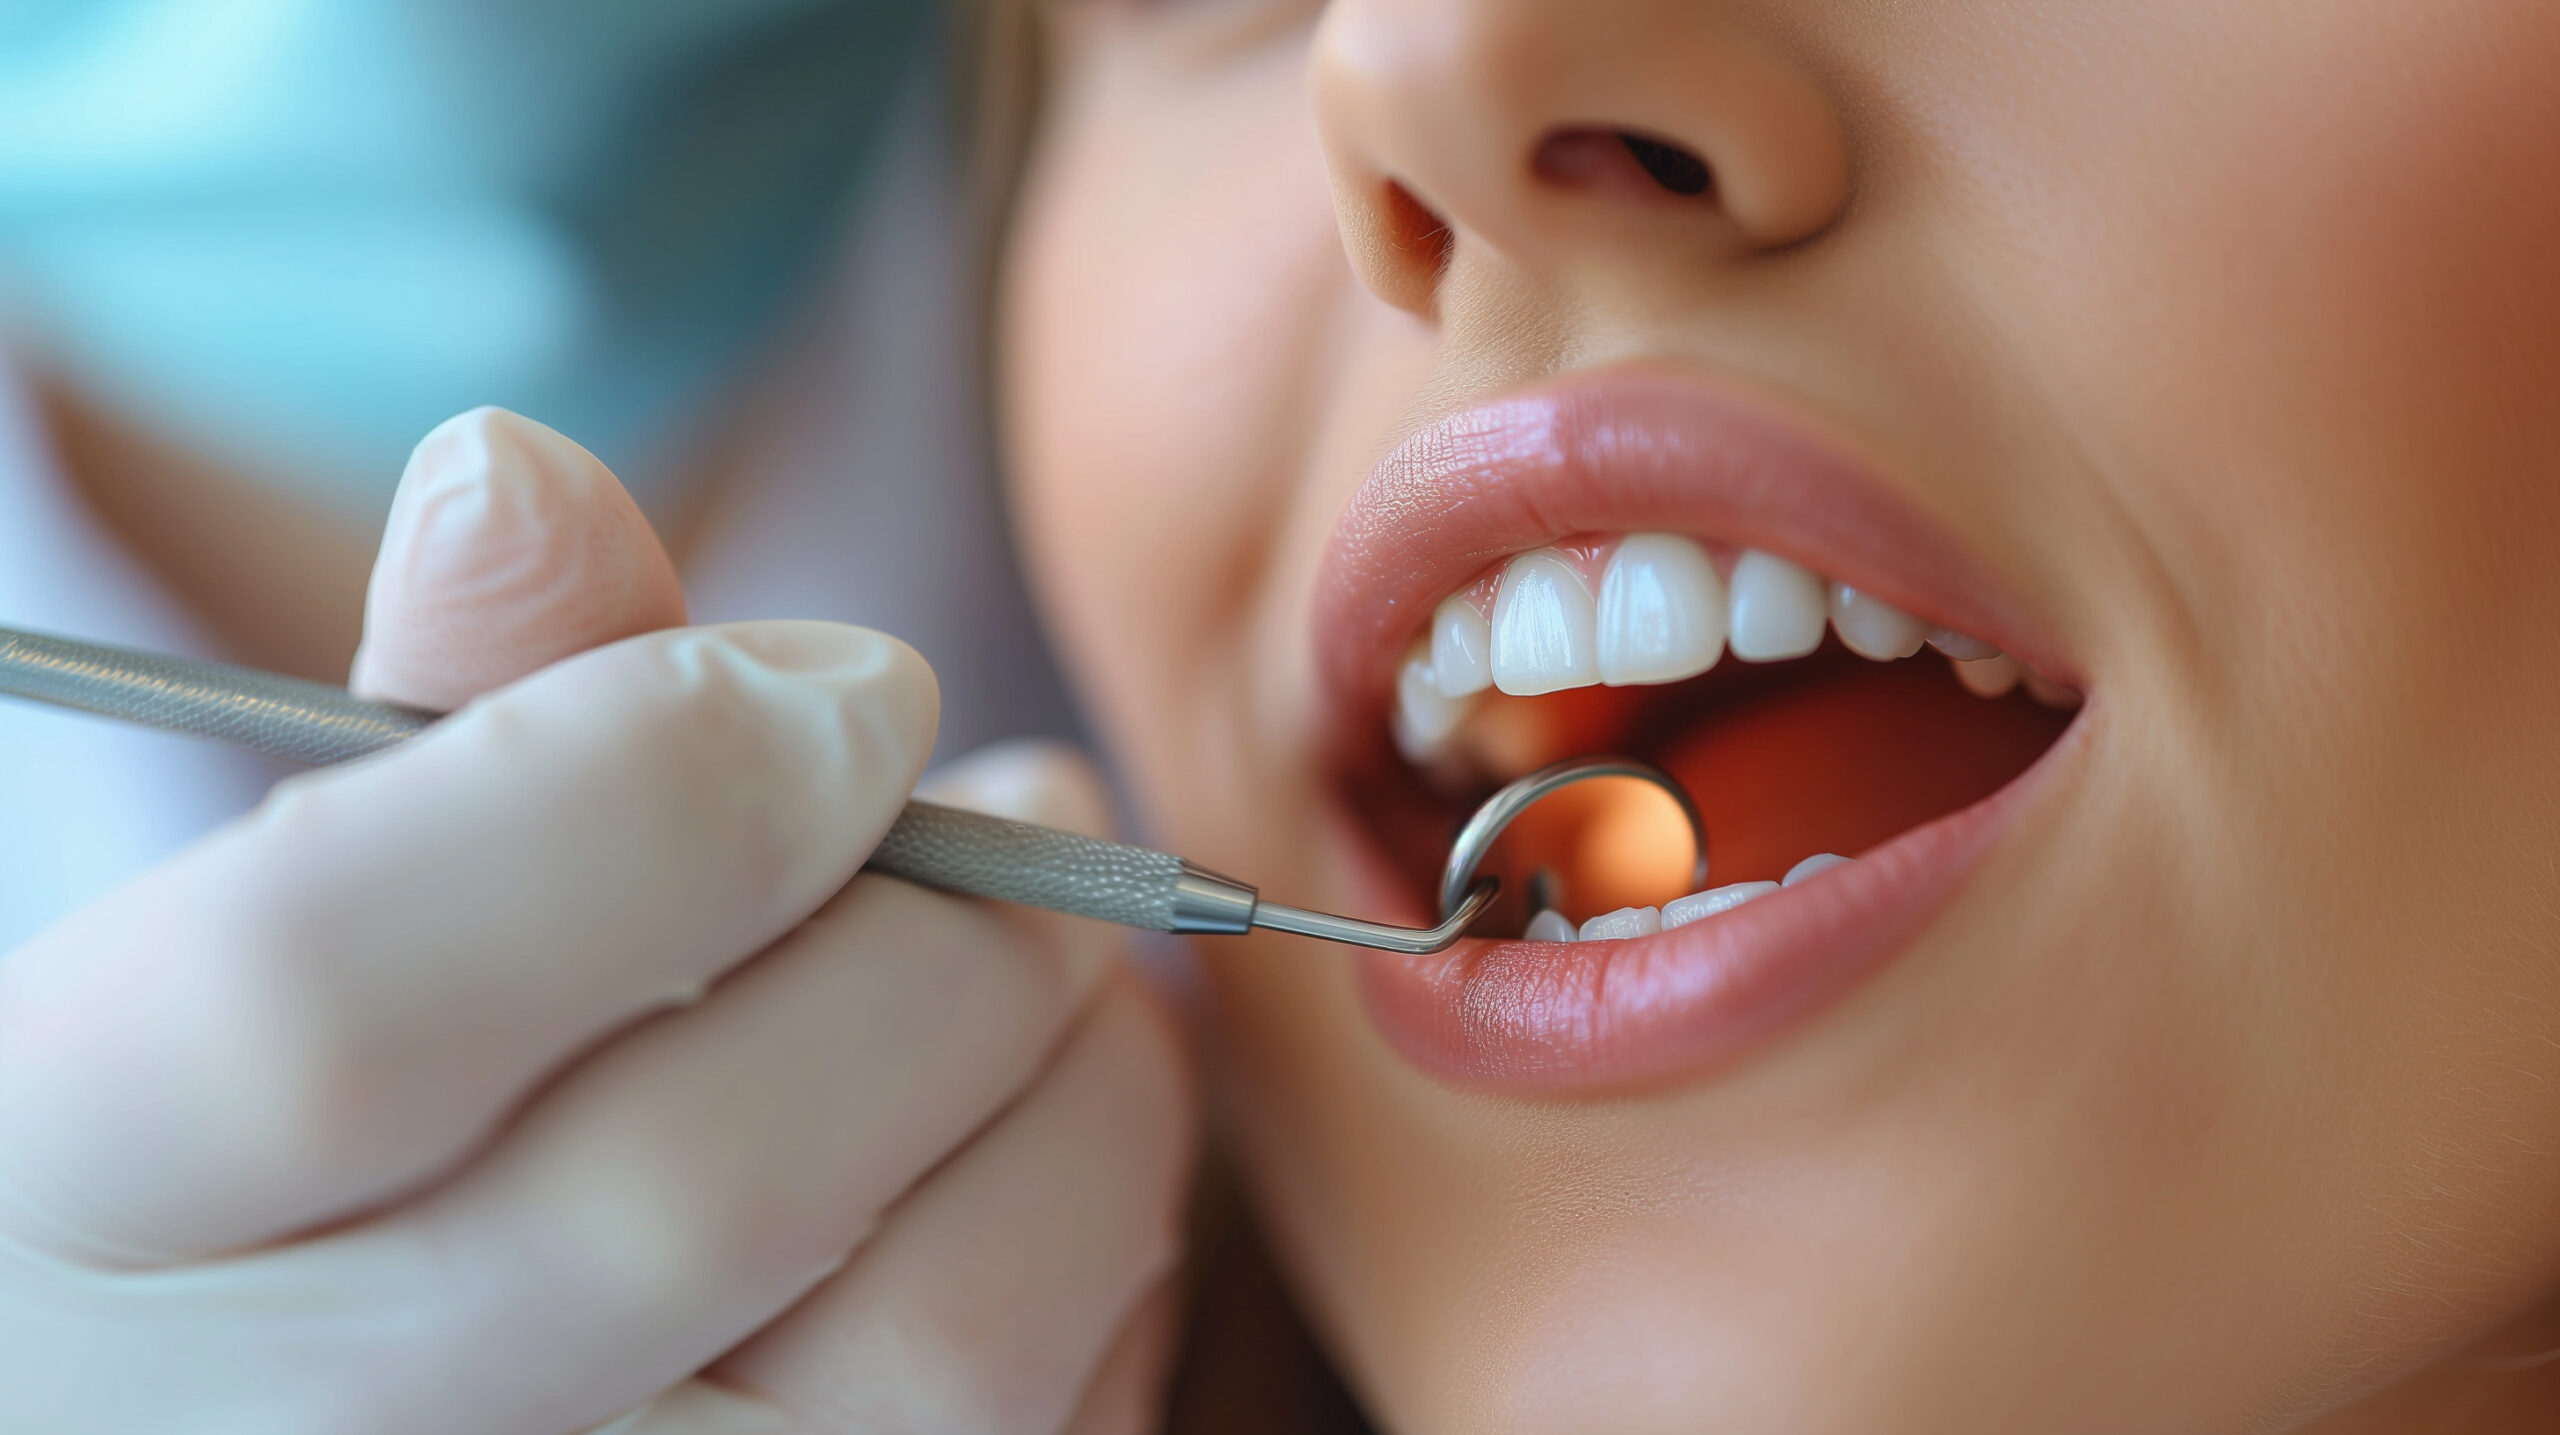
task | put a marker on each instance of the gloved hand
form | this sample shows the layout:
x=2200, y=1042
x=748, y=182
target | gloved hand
x=545, y=1074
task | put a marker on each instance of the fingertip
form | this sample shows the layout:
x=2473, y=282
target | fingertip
x=508, y=548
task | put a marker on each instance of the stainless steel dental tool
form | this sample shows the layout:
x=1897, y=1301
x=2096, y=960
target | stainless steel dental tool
x=929, y=844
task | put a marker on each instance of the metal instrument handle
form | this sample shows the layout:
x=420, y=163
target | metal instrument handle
x=315, y=724
x=288, y=718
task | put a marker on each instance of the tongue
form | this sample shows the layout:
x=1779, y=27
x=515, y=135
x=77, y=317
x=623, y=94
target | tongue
x=1847, y=759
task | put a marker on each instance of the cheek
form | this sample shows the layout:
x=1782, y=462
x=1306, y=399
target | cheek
x=2285, y=274
x=1172, y=277
x=2377, y=317
x=2287, y=267
x=2282, y=271
x=2358, y=324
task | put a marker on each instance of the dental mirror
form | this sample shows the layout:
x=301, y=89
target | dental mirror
x=1611, y=830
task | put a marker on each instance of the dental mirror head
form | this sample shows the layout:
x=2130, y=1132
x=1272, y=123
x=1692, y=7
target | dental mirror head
x=1464, y=895
x=1475, y=841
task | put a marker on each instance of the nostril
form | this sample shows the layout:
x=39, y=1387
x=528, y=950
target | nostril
x=1589, y=157
x=1415, y=230
x=1672, y=167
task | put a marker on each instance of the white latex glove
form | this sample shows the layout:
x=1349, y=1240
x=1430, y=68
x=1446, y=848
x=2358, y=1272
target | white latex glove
x=545, y=1074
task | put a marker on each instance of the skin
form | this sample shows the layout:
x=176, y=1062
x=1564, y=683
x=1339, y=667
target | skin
x=2226, y=1095
x=279, y=579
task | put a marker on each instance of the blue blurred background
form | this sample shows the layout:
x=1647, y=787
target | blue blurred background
x=726, y=244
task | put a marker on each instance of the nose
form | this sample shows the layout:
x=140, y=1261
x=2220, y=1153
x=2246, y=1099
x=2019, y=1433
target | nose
x=1555, y=132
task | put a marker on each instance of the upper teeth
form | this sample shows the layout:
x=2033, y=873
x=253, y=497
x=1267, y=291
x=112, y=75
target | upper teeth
x=1989, y=677
x=1461, y=649
x=1873, y=628
x=1424, y=715
x=1777, y=609
x=1661, y=613
x=1545, y=627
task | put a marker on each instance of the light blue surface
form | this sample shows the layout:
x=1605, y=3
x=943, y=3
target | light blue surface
x=302, y=232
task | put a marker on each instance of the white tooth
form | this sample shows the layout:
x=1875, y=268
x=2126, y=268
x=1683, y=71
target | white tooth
x=1815, y=865
x=1661, y=611
x=1777, y=608
x=2048, y=692
x=1989, y=677
x=1543, y=627
x=1424, y=716
x=1961, y=647
x=1873, y=628
x=1622, y=923
x=1549, y=925
x=1715, y=899
x=1461, y=647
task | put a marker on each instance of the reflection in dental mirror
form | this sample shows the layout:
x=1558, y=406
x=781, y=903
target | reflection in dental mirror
x=1591, y=849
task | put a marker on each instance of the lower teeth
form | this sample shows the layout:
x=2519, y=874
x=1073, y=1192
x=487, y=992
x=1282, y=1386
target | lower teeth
x=1550, y=925
x=1713, y=900
x=1620, y=924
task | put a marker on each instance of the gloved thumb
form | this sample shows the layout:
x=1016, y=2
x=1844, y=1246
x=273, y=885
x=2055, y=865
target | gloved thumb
x=508, y=549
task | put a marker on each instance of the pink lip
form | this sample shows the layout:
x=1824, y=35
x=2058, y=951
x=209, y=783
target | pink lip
x=1552, y=1019
x=1620, y=451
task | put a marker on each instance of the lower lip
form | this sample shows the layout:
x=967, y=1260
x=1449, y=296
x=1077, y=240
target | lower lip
x=1581, y=1019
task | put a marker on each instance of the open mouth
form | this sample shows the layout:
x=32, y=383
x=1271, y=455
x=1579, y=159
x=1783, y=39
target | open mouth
x=1639, y=563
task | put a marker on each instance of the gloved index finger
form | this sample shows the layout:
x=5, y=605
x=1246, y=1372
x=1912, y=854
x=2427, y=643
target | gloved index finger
x=337, y=996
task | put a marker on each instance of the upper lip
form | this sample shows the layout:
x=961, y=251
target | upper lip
x=1628, y=450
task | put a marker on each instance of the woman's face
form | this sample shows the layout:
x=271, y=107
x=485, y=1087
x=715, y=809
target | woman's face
x=2184, y=1050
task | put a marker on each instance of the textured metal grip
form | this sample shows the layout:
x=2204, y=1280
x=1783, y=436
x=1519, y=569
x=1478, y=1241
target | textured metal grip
x=265, y=712
x=1038, y=866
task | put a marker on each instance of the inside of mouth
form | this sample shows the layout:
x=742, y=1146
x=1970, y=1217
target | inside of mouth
x=1831, y=753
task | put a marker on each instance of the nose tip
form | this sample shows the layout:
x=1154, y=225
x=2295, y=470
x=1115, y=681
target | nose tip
x=1557, y=132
